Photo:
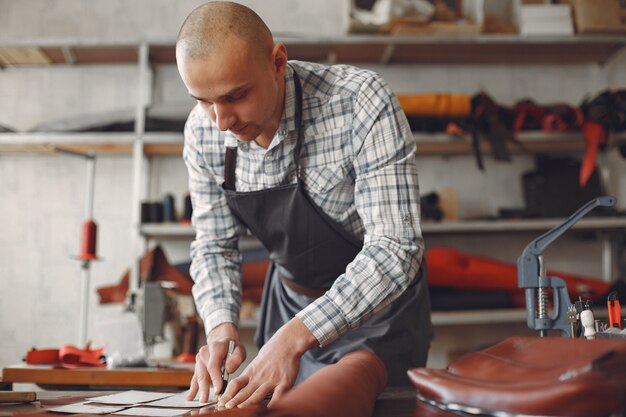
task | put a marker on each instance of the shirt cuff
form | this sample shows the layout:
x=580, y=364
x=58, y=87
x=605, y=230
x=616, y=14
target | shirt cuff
x=325, y=320
x=218, y=314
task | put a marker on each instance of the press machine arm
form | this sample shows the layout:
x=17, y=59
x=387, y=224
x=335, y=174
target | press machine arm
x=531, y=276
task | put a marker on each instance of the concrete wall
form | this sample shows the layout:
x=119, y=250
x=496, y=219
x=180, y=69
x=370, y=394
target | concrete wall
x=121, y=20
x=42, y=196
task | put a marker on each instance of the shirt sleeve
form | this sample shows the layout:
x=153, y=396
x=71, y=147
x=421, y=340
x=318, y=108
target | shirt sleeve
x=215, y=258
x=387, y=200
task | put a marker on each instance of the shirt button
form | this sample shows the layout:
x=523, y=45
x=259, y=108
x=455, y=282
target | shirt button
x=282, y=132
x=406, y=218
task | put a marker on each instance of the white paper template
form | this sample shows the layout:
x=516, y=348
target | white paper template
x=80, y=408
x=179, y=400
x=131, y=397
x=152, y=412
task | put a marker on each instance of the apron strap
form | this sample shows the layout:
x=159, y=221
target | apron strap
x=298, y=116
x=230, y=163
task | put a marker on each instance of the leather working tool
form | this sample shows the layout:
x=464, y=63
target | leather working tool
x=588, y=323
x=614, y=310
x=532, y=277
x=225, y=375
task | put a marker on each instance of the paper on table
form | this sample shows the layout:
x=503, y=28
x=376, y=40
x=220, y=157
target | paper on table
x=179, y=400
x=152, y=412
x=80, y=408
x=130, y=397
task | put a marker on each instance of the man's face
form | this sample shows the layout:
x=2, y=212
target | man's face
x=239, y=89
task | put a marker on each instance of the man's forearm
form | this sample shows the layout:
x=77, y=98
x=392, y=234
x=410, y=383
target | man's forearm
x=295, y=334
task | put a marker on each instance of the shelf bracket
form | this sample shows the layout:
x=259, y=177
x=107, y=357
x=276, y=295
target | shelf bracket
x=387, y=53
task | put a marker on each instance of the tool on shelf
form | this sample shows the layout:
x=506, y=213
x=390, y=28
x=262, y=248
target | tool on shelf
x=615, y=310
x=531, y=276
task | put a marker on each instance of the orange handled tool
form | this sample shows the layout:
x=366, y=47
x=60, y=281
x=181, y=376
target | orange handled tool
x=615, y=313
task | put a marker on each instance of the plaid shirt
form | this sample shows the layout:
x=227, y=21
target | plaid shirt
x=357, y=164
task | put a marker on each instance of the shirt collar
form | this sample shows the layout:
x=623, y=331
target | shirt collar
x=288, y=119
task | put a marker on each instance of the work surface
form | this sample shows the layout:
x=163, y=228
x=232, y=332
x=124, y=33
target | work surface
x=98, y=378
x=391, y=403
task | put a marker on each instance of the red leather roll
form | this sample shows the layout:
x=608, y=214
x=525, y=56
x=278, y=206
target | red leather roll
x=450, y=268
x=436, y=104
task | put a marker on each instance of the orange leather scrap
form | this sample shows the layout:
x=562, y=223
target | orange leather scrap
x=67, y=357
x=153, y=266
x=436, y=104
x=595, y=135
x=451, y=268
x=348, y=388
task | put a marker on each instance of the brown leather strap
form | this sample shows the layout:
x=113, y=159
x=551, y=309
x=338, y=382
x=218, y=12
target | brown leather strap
x=309, y=292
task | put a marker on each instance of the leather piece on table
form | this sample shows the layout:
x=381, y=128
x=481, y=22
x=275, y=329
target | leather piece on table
x=348, y=388
x=536, y=376
x=153, y=266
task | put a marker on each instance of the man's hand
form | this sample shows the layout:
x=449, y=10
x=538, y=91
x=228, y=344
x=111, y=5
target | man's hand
x=210, y=359
x=274, y=369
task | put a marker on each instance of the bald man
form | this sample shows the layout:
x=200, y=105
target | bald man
x=318, y=162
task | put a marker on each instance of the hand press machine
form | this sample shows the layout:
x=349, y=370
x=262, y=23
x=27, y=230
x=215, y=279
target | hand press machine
x=532, y=277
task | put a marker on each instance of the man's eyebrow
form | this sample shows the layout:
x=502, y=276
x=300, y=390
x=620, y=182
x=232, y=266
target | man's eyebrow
x=229, y=94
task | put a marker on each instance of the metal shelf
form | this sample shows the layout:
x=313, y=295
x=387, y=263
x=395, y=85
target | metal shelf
x=525, y=225
x=113, y=143
x=177, y=231
x=531, y=142
x=456, y=318
x=171, y=143
x=385, y=49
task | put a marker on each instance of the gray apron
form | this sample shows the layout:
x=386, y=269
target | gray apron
x=308, y=251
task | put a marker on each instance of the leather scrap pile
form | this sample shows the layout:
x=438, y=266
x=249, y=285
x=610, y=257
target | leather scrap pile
x=486, y=120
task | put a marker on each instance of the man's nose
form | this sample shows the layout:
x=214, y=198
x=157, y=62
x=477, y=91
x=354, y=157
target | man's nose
x=224, y=117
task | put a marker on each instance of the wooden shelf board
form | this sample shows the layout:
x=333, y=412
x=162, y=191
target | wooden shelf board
x=171, y=144
x=427, y=49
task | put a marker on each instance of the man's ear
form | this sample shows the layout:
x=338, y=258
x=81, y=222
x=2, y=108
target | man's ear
x=279, y=58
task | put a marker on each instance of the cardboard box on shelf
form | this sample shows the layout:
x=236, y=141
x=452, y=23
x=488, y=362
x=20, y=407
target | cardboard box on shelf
x=599, y=16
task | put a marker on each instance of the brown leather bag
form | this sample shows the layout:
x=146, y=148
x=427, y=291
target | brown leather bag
x=550, y=376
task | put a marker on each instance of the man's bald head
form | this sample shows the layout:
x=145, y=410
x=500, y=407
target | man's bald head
x=210, y=28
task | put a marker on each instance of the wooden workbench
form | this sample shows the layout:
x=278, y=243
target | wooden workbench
x=98, y=378
x=391, y=403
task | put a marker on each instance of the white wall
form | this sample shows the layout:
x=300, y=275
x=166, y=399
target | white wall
x=41, y=196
